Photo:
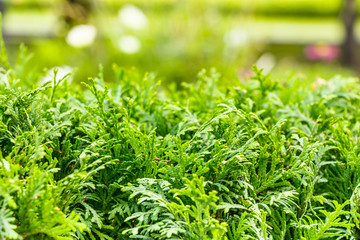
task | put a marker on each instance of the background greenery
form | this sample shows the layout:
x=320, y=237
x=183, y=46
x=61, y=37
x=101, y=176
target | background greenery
x=181, y=37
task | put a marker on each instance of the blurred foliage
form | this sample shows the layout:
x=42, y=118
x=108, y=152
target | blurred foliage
x=181, y=37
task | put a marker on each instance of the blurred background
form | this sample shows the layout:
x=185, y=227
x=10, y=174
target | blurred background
x=177, y=38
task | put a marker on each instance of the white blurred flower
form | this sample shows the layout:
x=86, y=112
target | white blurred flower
x=4, y=78
x=132, y=17
x=129, y=44
x=81, y=36
x=62, y=72
x=236, y=38
x=267, y=62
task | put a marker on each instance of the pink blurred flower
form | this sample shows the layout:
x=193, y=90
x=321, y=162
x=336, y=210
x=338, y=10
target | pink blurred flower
x=245, y=73
x=322, y=51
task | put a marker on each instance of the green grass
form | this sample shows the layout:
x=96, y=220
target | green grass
x=262, y=159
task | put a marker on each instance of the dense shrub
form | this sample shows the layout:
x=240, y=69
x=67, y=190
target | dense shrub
x=263, y=160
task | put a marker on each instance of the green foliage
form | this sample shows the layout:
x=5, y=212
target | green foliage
x=262, y=160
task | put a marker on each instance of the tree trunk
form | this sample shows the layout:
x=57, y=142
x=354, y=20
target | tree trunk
x=77, y=11
x=349, y=47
